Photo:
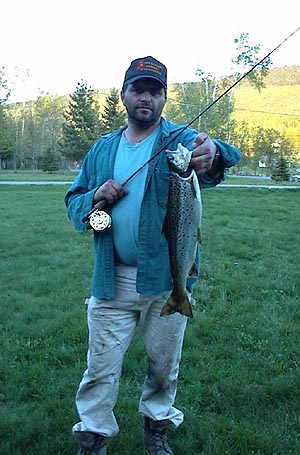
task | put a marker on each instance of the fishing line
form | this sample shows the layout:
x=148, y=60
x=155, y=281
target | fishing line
x=209, y=107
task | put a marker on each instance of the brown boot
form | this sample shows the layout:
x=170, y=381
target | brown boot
x=155, y=437
x=90, y=443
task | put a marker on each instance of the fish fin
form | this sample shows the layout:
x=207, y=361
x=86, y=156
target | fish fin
x=184, y=307
x=194, y=270
x=199, y=236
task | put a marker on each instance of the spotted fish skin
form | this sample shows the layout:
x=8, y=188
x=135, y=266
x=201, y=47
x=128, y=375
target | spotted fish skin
x=182, y=231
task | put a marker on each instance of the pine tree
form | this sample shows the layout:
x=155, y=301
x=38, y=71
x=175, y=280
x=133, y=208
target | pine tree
x=281, y=171
x=50, y=161
x=81, y=127
x=113, y=116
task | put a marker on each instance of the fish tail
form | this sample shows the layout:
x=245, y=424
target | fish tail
x=172, y=306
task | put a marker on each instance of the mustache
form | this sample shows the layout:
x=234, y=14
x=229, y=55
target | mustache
x=144, y=103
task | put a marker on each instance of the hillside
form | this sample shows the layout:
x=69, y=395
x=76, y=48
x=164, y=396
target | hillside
x=286, y=75
x=276, y=106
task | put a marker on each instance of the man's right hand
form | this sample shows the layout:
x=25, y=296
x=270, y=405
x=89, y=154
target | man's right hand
x=108, y=193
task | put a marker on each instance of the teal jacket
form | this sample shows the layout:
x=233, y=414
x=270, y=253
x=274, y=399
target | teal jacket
x=153, y=267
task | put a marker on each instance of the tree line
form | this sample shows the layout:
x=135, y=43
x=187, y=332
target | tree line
x=52, y=132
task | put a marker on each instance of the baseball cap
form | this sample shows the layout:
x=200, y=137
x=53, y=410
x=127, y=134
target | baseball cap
x=146, y=67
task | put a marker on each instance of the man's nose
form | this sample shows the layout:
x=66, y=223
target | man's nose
x=146, y=97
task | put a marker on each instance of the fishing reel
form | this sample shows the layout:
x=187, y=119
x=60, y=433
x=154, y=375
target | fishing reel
x=99, y=220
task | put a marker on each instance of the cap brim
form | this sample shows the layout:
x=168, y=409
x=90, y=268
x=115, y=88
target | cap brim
x=136, y=78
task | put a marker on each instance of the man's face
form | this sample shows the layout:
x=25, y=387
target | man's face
x=144, y=100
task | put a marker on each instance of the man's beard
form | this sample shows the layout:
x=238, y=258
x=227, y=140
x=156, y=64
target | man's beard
x=142, y=123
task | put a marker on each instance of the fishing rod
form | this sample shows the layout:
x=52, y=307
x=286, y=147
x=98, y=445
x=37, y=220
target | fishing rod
x=100, y=220
x=209, y=106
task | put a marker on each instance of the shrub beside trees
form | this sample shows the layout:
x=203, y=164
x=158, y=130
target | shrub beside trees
x=281, y=171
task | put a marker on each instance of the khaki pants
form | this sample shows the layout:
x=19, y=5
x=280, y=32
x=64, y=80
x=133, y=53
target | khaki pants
x=112, y=324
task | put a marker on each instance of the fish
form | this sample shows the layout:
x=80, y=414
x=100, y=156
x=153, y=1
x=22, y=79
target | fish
x=182, y=229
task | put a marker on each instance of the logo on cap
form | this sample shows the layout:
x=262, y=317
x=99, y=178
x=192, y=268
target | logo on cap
x=149, y=65
x=140, y=65
x=146, y=67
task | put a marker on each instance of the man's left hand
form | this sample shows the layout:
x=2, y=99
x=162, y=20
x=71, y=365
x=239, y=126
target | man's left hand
x=203, y=153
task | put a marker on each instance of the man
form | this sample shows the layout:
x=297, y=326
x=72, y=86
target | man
x=132, y=277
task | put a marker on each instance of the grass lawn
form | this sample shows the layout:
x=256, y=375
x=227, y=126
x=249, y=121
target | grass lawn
x=29, y=175
x=68, y=176
x=239, y=380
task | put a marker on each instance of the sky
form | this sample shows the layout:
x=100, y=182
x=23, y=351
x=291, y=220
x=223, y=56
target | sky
x=50, y=46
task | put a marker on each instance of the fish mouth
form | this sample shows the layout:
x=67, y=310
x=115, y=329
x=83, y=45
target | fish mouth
x=186, y=174
x=179, y=159
x=180, y=168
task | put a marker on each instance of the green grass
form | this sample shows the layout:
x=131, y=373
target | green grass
x=69, y=176
x=30, y=175
x=239, y=380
